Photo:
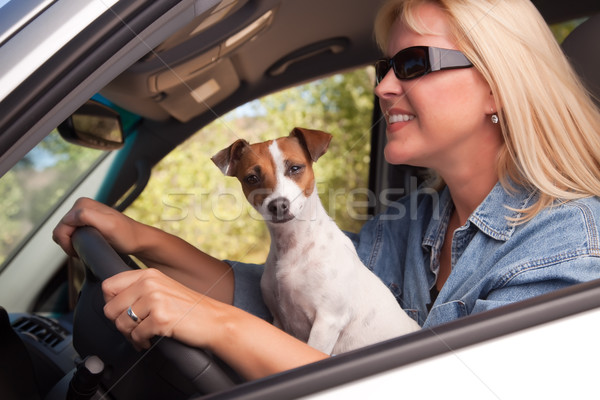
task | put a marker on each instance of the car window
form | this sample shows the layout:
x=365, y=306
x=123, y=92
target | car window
x=36, y=185
x=188, y=196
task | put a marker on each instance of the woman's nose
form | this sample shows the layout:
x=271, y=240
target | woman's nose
x=389, y=85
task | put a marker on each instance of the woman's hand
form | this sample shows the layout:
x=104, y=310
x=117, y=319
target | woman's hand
x=163, y=307
x=153, y=247
x=118, y=229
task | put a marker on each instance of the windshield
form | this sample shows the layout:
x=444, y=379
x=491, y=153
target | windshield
x=36, y=185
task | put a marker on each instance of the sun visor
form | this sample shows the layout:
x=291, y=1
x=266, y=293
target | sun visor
x=199, y=94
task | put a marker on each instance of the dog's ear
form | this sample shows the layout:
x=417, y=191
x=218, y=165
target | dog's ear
x=315, y=142
x=227, y=158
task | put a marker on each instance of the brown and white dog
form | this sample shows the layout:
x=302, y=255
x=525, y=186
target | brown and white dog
x=314, y=284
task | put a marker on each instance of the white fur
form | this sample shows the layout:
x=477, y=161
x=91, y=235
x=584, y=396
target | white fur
x=314, y=283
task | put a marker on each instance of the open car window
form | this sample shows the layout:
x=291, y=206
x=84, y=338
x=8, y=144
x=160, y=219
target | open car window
x=36, y=185
x=188, y=196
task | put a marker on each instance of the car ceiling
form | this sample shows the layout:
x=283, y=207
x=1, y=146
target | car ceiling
x=189, y=74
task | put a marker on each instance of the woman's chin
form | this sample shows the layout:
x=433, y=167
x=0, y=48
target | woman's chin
x=396, y=154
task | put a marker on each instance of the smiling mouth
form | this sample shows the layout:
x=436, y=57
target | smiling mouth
x=395, y=118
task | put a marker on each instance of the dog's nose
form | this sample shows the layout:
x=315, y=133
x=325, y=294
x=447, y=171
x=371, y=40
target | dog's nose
x=279, y=207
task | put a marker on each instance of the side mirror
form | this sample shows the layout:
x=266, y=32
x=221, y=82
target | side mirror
x=94, y=125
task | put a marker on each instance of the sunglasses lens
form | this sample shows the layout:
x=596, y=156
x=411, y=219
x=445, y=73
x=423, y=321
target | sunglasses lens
x=411, y=63
x=382, y=67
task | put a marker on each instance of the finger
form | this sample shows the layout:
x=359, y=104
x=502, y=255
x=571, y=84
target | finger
x=141, y=335
x=125, y=306
x=120, y=291
x=145, y=328
x=77, y=216
x=140, y=325
x=125, y=288
x=64, y=230
x=62, y=236
x=128, y=321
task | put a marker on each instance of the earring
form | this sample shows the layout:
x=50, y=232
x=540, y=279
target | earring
x=494, y=116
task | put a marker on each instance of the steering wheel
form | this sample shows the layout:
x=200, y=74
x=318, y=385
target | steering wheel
x=197, y=367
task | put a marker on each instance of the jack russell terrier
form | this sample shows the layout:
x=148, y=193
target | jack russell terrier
x=314, y=284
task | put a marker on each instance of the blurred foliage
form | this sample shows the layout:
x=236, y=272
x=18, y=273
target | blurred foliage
x=562, y=30
x=189, y=197
x=34, y=186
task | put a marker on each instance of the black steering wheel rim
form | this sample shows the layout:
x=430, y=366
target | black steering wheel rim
x=101, y=261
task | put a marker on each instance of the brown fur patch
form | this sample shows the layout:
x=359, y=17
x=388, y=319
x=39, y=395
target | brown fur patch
x=257, y=161
x=295, y=154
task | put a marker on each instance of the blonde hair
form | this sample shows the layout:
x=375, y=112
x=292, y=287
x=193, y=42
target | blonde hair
x=550, y=125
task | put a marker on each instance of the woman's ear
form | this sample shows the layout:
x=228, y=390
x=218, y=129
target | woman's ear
x=491, y=107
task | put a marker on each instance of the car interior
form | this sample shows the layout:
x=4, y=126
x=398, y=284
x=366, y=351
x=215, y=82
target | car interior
x=183, y=75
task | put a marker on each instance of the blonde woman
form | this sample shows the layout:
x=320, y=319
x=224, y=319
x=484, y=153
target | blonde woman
x=513, y=135
x=477, y=91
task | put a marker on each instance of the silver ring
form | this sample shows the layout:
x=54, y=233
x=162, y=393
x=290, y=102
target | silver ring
x=132, y=315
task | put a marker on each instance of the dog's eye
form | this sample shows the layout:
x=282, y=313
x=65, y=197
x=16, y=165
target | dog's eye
x=252, y=179
x=295, y=169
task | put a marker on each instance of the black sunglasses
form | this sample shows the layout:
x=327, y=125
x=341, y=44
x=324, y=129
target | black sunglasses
x=417, y=61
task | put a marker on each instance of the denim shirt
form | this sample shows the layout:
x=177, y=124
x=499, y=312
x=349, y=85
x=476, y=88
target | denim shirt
x=494, y=262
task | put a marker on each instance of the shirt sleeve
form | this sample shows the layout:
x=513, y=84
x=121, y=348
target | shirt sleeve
x=247, y=294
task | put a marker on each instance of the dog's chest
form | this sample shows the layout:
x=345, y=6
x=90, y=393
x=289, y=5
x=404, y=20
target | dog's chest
x=301, y=260
x=294, y=275
x=302, y=275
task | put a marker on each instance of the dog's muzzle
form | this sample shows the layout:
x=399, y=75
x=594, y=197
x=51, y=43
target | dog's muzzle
x=279, y=210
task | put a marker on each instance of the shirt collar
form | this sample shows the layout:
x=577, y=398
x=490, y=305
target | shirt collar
x=493, y=216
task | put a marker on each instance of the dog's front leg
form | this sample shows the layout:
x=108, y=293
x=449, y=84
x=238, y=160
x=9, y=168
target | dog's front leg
x=325, y=332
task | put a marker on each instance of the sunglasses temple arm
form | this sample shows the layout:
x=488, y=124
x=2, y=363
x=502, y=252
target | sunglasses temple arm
x=444, y=59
